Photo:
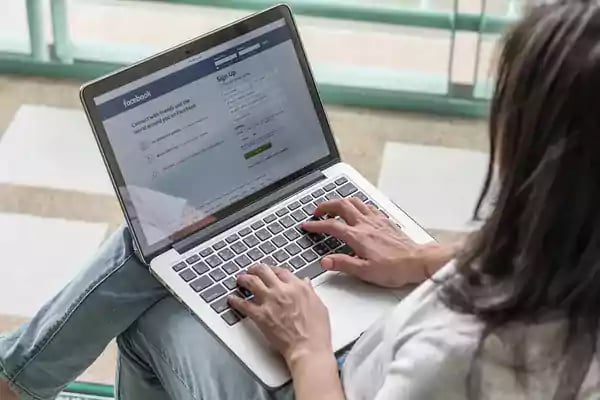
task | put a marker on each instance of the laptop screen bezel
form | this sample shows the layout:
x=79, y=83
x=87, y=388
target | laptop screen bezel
x=184, y=51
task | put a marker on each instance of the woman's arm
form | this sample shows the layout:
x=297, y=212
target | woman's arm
x=316, y=376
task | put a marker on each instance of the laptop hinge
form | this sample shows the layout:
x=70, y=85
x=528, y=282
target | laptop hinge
x=205, y=234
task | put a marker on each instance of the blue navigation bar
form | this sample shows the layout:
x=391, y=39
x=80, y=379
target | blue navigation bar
x=192, y=73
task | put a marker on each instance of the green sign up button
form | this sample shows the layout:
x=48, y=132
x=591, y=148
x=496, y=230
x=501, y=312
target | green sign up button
x=258, y=150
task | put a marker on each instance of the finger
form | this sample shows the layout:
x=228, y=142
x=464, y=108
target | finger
x=345, y=263
x=330, y=226
x=265, y=273
x=252, y=283
x=374, y=210
x=284, y=274
x=360, y=206
x=244, y=307
x=339, y=208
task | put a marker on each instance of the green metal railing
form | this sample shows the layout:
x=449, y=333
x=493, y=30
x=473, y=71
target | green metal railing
x=339, y=84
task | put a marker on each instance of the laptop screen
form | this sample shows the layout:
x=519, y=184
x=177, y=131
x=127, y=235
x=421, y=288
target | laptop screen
x=207, y=132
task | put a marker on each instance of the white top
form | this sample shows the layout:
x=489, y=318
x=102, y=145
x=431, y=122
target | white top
x=423, y=351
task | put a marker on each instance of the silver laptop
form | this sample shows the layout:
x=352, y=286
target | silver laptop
x=218, y=150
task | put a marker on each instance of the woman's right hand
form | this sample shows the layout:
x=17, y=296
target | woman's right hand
x=385, y=256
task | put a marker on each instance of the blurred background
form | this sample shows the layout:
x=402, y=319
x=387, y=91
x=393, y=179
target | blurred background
x=406, y=85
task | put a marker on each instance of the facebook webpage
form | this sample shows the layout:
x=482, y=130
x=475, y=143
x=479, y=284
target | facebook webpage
x=216, y=129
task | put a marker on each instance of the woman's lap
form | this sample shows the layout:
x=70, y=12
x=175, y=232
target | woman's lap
x=167, y=346
x=167, y=351
x=72, y=329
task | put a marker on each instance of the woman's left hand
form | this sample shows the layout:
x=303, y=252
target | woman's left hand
x=288, y=312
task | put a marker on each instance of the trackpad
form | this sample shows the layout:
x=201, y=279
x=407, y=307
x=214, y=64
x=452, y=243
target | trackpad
x=353, y=306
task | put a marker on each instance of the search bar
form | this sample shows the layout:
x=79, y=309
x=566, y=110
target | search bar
x=249, y=49
x=225, y=59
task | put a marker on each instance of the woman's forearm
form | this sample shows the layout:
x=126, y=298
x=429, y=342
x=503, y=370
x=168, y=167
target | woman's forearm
x=316, y=377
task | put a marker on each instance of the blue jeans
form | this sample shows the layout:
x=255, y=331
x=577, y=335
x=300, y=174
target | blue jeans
x=164, y=352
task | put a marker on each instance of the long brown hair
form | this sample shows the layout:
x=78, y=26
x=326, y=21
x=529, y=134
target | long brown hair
x=538, y=252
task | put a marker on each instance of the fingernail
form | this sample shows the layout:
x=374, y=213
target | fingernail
x=327, y=263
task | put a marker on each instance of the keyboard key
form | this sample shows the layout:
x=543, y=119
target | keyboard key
x=321, y=249
x=292, y=206
x=245, y=232
x=239, y=247
x=345, y=249
x=361, y=196
x=230, y=283
x=201, y=283
x=291, y=234
x=220, y=305
x=309, y=209
x=226, y=254
x=243, y=261
x=329, y=187
x=263, y=234
x=269, y=218
x=241, y=272
x=293, y=249
x=230, y=268
x=243, y=293
x=257, y=225
x=269, y=261
x=281, y=255
x=206, y=252
x=281, y=212
x=306, y=199
x=219, y=245
x=217, y=274
x=267, y=247
x=317, y=193
x=193, y=259
x=275, y=228
x=251, y=241
x=279, y=241
x=309, y=255
x=180, y=266
x=286, y=221
x=214, y=261
x=341, y=181
x=187, y=275
x=332, y=196
x=231, y=318
x=347, y=190
x=299, y=215
x=232, y=238
x=320, y=200
x=297, y=262
x=212, y=293
x=333, y=243
x=200, y=268
x=311, y=271
x=304, y=242
x=255, y=254
x=316, y=237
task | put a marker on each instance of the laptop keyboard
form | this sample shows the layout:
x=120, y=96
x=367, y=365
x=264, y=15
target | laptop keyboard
x=276, y=240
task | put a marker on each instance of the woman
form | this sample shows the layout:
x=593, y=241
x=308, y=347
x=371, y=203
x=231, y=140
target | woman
x=513, y=317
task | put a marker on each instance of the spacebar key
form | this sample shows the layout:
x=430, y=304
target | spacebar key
x=311, y=271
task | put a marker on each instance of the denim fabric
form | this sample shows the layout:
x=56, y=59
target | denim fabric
x=73, y=328
x=182, y=362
